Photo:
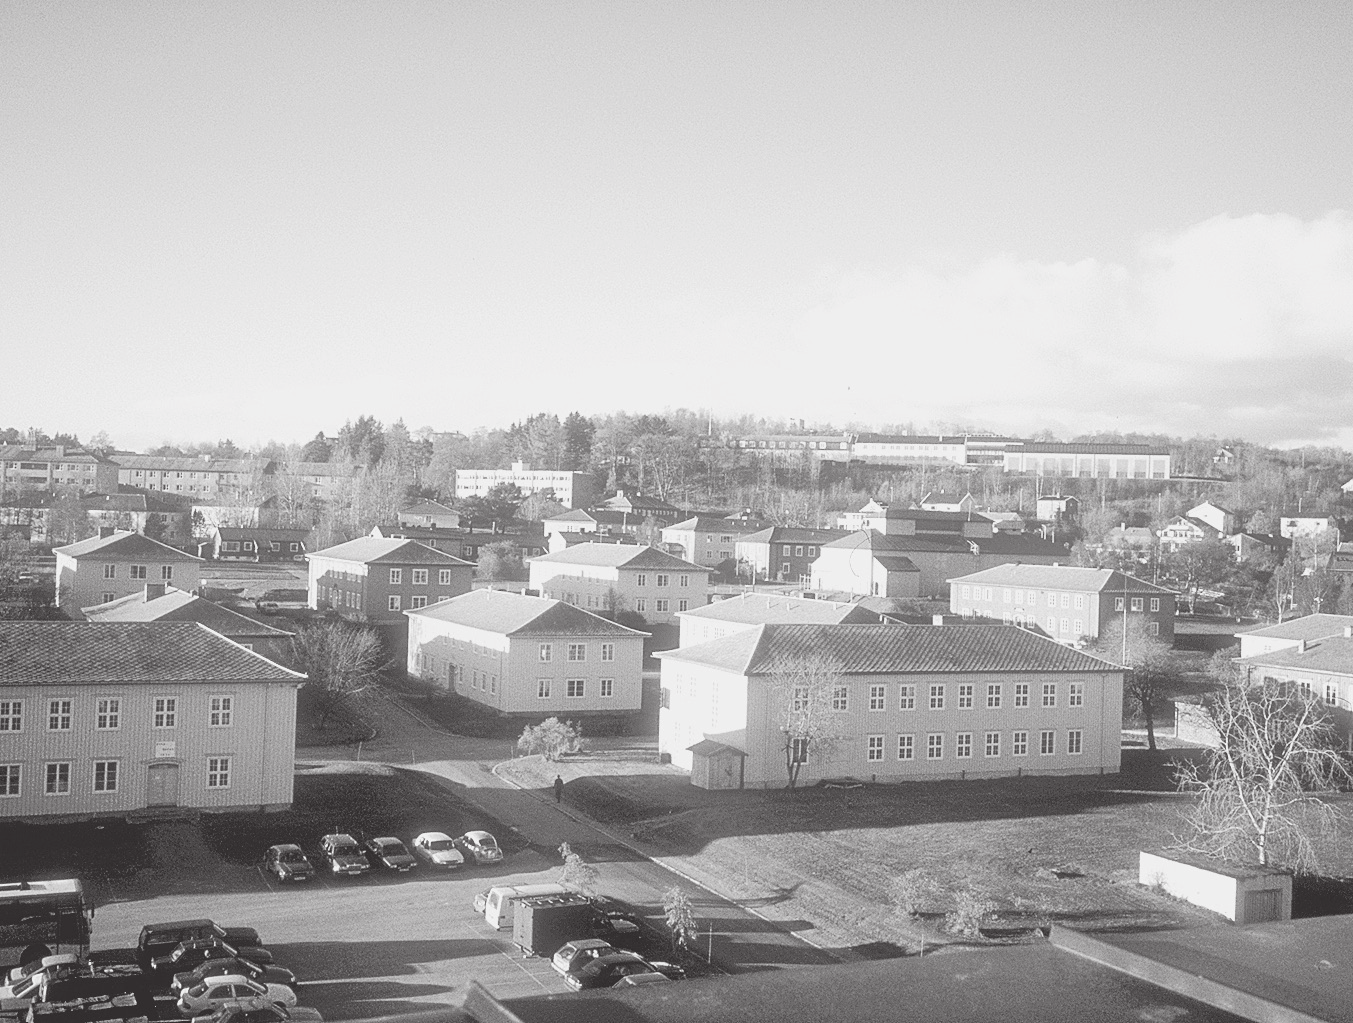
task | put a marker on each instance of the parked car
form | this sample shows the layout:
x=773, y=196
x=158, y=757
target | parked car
x=615, y=922
x=222, y=967
x=479, y=847
x=260, y=1010
x=29, y=982
x=189, y=955
x=437, y=850
x=606, y=970
x=343, y=854
x=577, y=954
x=481, y=900
x=390, y=854
x=230, y=989
x=288, y=863
x=158, y=940
x=45, y=963
x=642, y=979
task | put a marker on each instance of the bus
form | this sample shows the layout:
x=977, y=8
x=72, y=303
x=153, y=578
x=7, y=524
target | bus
x=39, y=918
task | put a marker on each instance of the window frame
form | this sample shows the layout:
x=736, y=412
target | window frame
x=220, y=710
x=106, y=777
x=164, y=712
x=219, y=772
x=575, y=688
x=107, y=713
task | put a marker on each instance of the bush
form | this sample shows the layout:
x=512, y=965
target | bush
x=966, y=916
x=679, y=912
x=552, y=738
x=910, y=890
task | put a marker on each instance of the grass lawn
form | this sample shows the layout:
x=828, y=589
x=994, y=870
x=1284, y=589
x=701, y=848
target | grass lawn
x=1039, y=850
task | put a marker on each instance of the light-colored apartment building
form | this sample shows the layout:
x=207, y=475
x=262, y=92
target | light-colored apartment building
x=571, y=489
x=621, y=577
x=117, y=563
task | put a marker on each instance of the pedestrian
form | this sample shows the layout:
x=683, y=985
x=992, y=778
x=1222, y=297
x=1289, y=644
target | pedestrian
x=558, y=789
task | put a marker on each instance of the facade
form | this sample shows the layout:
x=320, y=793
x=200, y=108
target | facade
x=1298, y=525
x=376, y=580
x=1292, y=634
x=708, y=540
x=29, y=514
x=54, y=467
x=821, y=447
x=783, y=554
x=464, y=543
x=621, y=577
x=637, y=505
x=158, y=516
x=116, y=564
x=258, y=543
x=320, y=478
x=571, y=489
x=1069, y=604
x=865, y=564
x=945, y=501
x=1322, y=667
x=748, y=610
x=1057, y=507
x=922, y=702
x=111, y=719
x=908, y=449
x=1117, y=461
x=525, y=655
x=1248, y=545
x=1223, y=520
x=432, y=514
x=204, y=477
x=1184, y=529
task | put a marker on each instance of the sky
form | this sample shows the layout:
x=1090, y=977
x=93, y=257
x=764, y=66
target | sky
x=259, y=220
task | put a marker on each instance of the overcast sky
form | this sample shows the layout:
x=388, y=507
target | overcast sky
x=257, y=220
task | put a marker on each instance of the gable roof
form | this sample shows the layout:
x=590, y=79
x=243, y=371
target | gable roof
x=1332, y=653
x=794, y=534
x=762, y=608
x=1316, y=626
x=572, y=515
x=1060, y=577
x=603, y=555
x=124, y=546
x=428, y=508
x=1011, y=545
x=181, y=606
x=515, y=614
x=891, y=649
x=185, y=463
x=103, y=653
x=278, y=533
x=715, y=524
x=372, y=549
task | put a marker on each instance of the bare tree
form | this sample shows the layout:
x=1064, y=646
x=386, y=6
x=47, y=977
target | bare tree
x=1260, y=791
x=341, y=660
x=807, y=695
x=1152, y=676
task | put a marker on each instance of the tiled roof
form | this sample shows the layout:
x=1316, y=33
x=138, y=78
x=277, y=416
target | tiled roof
x=714, y=524
x=793, y=534
x=930, y=515
x=123, y=546
x=896, y=563
x=1332, y=653
x=369, y=549
x=515, y=614
x=114, y=502
x=1016, y=545
x=1318, y=626
x=891, y=649
x=760, y=608
x=1060, y=577
x=1045, y=448
x=572, y=515
x=262, y=533
x=47, y=453
x=602, y=555
x=177, y=463
x=97, y=653
x=182, y=606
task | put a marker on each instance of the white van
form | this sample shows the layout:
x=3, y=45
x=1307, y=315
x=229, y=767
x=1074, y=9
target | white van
x=501, y=901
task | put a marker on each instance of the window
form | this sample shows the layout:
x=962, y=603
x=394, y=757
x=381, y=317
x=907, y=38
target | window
x=1052, y=624
x=166, y=572
x=1155, y=603
x=1119, y=603
x=937, y=697
x=1052, y=600
x=874, y=748
x=906, y=698
x=798, y=701
x=1153, y=628
x=934, y=746
x=663, y=579
x=683, y=605
x=798, y=751
x=1078, y=627
x=963, y=745
x=493, y=684
x=1073, y=741
x=58, y=780
x=443, y=577
x=218, y=772
x=417, y=602
x=546, y=651
x=222, y=710
x=105, y=776
x=543, y=688
x=1076, y=694
x=840, y=698
x=396, y=575
x=11, y=716
x=577, y=651
x=58, y=715
x=665, y=698
x=1047, y=743
x=393, y=602
x=966, y=591
x=993, y=695
x=138, y=571
x=660, y=604
x=965, y=696
x=109, y=714
x=1006, y=595
x=9, y=779
x=877, y=697
x=1019, y=744
x=1066, y=600
x=420, y=576
x=786, y=550
x=812, y=552
x=577, y=688
x=1065, y=625
x=1136, y=603
x=640, y=604
x=1331, y=694
x=608, y=651
x=607, y=687
x=1080, y=601
x=993, y=744
x=1019, y=596
x=1021, y=694
x=642, y=579
x=166, y=711
x=1049, y=694
x=798, y=550
x=110, y=571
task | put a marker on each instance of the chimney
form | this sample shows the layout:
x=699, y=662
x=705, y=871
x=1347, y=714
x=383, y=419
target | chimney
x=1301, y=646
x=1348, y=632
x=105, y=532
x=154, y=591
x=937, y=619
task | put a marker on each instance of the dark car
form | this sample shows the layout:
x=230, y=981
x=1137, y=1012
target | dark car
x=615, y=922
x=288, y=863
x=260, y=1010
x=158, y=940
x=605, y=971
x=389, y=854
x=343, y=855
x=189, y=955
x=244, y=967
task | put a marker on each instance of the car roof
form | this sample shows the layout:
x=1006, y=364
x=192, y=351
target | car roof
x=287, y=847
x=478, y=836
x=223, y=978
x=616, y=958
x=339, y=836
x=177, y=925
x=586, y=943
x=434, y=836
x=384, y=839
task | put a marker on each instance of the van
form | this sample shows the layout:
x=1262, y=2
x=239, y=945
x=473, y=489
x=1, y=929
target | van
x=501, y=901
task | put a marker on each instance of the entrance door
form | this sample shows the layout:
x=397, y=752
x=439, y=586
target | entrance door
x=162, y=785
x=1263, y=906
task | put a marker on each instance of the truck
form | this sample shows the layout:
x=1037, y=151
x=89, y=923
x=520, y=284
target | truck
x=544, y=923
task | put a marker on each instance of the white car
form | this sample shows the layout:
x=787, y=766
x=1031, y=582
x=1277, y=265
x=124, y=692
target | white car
x=29, y=982
x=48, y=963
x=437, y=849
x=480, y=847
x=231, y=989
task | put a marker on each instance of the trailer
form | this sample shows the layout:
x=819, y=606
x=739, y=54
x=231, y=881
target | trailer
x=541, y=925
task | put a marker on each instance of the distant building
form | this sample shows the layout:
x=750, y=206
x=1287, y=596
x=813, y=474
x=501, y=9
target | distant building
x=866, y=564
x=1293, y=634
x=748, y=610
x=1321, y=666
x=945, y=501
x=640, y=506
x=465, y=543
x=377, y=580
x=1117, y=461
x=820, y=447
x=117, y=563
x=1247, y=545
x=204, y=477
x=1057, y=507
x=708, y=540
x=1223, y=520
x=909, y=449
x=159, y=516
x=784, y=554
x=1306, y=525
x=1183, y=529
x=623, y=577
x=258, y=543
x=54, y=467
x=431, y=514
x=571, y=489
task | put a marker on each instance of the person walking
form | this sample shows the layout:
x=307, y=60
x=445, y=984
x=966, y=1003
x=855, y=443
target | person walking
x=558, y=789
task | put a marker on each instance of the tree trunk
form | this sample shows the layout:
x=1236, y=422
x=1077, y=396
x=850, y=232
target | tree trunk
x=1149, y=713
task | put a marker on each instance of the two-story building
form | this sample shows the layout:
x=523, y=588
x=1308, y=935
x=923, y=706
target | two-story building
x=205, y=477
x=621, y=577
x=465, y=543
x=866, y=564
x=907, y=703
x=1183, y=530
x=159, y=516
x=118, y=719
x=117, y=563
x=708, y=540
x=748, y=610
x=1305, y=524
x=1292, y=633
x=1223, y=520
x=528, y=656
x=1322, y=667
x=431, y=514
x=258, y=543
x=374, y=579
x=54, y=467
x=1067, y=603
x=783, y=554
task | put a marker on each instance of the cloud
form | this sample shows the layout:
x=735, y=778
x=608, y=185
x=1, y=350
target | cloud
x=1237, y=325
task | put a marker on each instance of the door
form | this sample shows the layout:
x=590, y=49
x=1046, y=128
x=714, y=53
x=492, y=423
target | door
x=1262, y=906
x=162, y=785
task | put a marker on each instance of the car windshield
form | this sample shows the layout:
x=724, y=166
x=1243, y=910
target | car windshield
x=346, y=850
x=441, y=844
x=293, y=856
x=392, y=847
x=488, y=842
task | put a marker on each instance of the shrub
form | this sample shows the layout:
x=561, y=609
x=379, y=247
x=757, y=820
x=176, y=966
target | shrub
x=679, y=912
x=966, y=916
x=552, y=738
x=910, y=890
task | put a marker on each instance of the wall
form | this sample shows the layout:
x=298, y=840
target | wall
x=1222, y=890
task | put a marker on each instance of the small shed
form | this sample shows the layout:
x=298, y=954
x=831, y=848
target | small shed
x=716, y=765
x=1243, y=894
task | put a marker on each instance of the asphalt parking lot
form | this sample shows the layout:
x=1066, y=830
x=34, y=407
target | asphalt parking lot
x=370, y=945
